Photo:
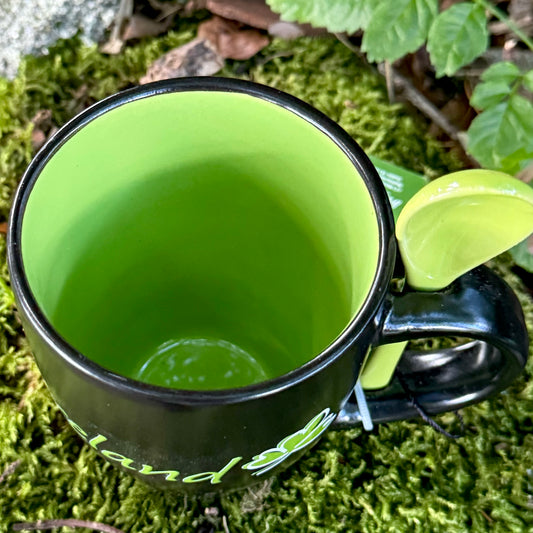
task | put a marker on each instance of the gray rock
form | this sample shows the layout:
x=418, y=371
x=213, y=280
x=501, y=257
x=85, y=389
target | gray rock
x=32, y=26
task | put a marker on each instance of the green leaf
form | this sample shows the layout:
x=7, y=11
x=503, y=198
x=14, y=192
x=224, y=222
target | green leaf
x=502, y=136
x=335, y=15
x=527, y=80
x=490, y=93
x=523, y=113
x=522, y=254
x=398, y=27
x=457, y=36
x=504, y=71
x=517, y=161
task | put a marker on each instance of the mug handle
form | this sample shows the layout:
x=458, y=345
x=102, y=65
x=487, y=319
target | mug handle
x=478, y=305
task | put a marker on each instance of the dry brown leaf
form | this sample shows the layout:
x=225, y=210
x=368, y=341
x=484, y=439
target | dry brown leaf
x=445, y=4
x=521, y=12
x=286, y=30
x=530, y=244
x=257, y=14
x=139, y=26
x=3, y=229
x=192, y=6
x=196, y=58
x=230, y=40
x=166, y=9
x=521, y=9
x=112, y=47
x=526, y=174
x=43, y=128
x=254, y=13
x=38, y=138
x=43, y=118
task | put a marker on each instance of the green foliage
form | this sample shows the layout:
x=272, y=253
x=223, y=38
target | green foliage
x=522, y=254
x=458, y=35
x=398, y=27
x=15, y=138
x=504, y=71
x=336, y=15
x=394, y=28
x=501, y=137
x=489, y=94
x=527, y=80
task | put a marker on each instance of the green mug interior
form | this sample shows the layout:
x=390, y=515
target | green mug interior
x=199, y=240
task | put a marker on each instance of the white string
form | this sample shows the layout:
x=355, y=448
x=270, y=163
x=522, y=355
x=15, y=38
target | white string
x=363, y=406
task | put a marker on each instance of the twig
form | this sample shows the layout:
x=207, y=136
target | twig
x=165, y=8
x=69, y=522
x=125, y=10
x=394, y=78
x=343, y=38
x=9, y=470
x=413, y=96
x=501, y=28
x=225, y=524
x=114, y=44
x=487, y=517
x=500, y=15
x=522, y=58
x=390, y=82
x=424, y=105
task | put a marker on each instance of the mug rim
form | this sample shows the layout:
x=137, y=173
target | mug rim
x=91, y=370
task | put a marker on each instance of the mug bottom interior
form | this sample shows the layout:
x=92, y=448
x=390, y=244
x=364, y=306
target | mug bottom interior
x=201, y=364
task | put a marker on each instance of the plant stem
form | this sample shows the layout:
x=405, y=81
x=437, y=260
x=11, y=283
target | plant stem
x=9, y=470
x=69, y=522
x=416, y=98
x=499, y=14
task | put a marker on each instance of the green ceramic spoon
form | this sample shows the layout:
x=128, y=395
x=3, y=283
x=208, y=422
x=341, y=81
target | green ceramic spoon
x=450, y=226
x=460, y=221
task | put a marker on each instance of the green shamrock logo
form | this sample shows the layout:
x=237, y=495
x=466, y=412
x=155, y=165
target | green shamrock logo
x=272, y=457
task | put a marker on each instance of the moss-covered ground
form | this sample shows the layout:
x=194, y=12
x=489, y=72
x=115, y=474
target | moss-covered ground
x=401, y=477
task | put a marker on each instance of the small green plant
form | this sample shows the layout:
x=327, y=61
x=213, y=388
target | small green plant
x=501, y=136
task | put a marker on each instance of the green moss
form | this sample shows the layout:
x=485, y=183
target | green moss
x=402, y=477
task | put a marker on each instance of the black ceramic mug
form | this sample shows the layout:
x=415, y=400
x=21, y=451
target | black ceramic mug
x=203, y=265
